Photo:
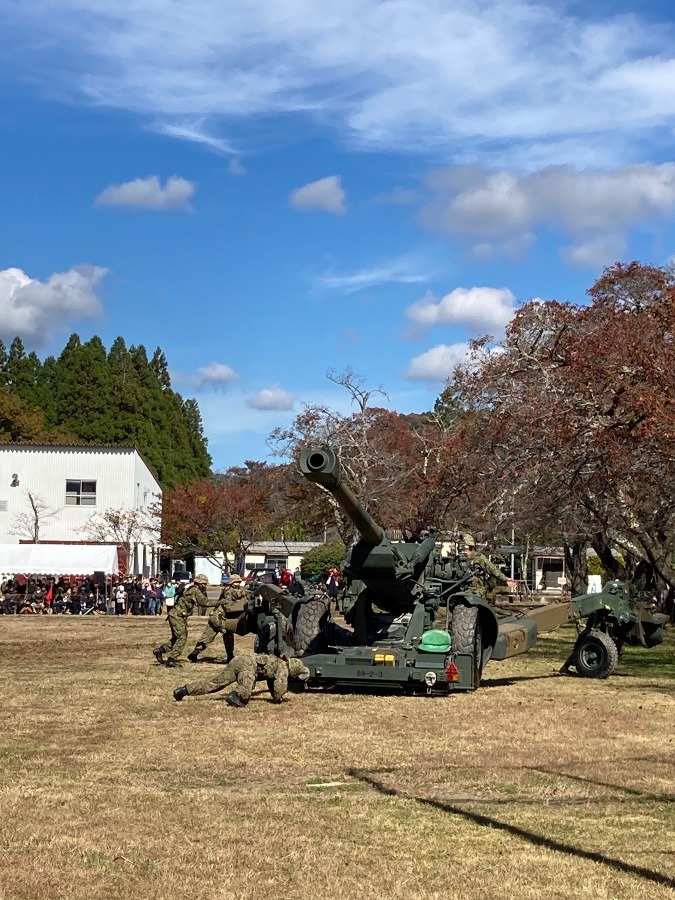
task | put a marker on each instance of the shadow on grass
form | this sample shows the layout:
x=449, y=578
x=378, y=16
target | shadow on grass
x=623, y=788
x=537, y=840
x=515, y=679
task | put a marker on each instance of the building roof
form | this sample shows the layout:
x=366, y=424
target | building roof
x=282, y=548
x=43, y=445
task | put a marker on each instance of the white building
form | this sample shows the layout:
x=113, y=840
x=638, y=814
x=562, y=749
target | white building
x=261, y=554
x=64, y=492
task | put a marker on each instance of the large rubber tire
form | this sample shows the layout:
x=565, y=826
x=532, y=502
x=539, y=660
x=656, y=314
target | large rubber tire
x=308, y=620
x=595, y=655
x=466, y=637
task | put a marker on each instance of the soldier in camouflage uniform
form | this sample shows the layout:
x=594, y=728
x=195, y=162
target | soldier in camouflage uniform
x=486, y=575
x=245, y=670
x=178, y=615
x=218, y=622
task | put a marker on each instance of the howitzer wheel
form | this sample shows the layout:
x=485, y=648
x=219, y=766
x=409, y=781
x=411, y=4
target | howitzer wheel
x=466, y=637
x=595, y=655
x=309, y=619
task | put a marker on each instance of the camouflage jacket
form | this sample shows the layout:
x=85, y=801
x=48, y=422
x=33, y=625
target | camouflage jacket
x=192, y=597
x=275, y=671
x=486, y=575
x=231, y=594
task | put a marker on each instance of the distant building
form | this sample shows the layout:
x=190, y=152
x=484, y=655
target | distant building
x=71, y=486
x=546, y=572
x=259, y=555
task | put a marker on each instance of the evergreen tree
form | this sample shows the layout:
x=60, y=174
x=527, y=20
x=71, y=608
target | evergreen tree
x=83, y=390
x=126, y=391
x=21, y=374
x=198, y=441
x=3, y=363
x=92, y=397
x=160, y=367
x=47, y=391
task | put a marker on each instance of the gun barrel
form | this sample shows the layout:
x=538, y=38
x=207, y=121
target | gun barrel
x=323, y=467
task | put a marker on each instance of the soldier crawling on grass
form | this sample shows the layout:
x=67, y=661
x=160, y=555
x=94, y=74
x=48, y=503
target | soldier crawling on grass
x=245, y=670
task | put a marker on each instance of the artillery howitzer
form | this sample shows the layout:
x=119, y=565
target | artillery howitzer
x=414, y=622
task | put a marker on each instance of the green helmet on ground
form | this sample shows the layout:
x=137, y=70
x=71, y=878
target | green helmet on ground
x=435, y=641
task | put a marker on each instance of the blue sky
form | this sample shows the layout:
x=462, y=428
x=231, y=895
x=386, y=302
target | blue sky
x=268, y=190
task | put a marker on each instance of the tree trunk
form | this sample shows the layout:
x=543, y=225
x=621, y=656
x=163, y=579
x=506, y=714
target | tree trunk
x=577, y=564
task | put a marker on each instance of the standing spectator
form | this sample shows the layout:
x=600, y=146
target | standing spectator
x=286, y=578
x=333, y=584
x=150, y=598
x=120, y=599
x=169, y=596
x=158, y=588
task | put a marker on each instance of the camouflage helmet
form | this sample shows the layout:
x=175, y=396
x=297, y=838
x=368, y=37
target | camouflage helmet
x=469, y=540
x=234, y=579
x=201, y=579
x=297, y=669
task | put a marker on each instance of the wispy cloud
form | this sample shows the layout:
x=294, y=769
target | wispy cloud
x=325, y=194
x=36, y=310
x=148, y=193
x=188, y=128
x=236, y=167
x=527, y=79
x=397, y=271
x=397, y=197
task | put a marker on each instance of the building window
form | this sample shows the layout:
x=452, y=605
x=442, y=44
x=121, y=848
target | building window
x=276, y=562
x=80, y=493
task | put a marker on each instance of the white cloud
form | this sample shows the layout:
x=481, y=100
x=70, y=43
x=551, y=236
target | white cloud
x=481, y=308
x=521, y=78
x=148, y=193
x=36, y=310
x=272, y=398
x=325, y=194
x=595, y=253
x=498, y=211
x=236, y=167
x=438, y=363
x=216, y=375
x=398, y=271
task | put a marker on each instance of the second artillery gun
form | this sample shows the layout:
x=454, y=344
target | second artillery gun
x=415, y=624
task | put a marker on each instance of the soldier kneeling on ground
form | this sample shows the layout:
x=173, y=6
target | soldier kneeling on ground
x=245, y=670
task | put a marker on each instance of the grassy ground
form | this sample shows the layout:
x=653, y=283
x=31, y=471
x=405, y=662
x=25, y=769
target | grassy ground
x=533, y=786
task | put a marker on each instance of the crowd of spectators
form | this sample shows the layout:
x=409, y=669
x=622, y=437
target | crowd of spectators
x=81, y=595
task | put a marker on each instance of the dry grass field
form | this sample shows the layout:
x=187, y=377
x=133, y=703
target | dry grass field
x=533, y=786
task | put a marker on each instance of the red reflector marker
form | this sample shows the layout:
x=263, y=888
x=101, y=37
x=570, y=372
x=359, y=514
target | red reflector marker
x=452, y=672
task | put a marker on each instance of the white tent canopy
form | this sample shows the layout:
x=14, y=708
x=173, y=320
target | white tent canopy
x=58, y=559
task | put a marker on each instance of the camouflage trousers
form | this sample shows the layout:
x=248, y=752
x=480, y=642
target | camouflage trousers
x=218, y=623
x=242, y=669
x=179, y=633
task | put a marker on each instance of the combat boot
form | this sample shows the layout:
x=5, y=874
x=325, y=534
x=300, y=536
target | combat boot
x=194, y=656
x=180, y=692
x=159, y=654
x=233, y=699
x=172, y=663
